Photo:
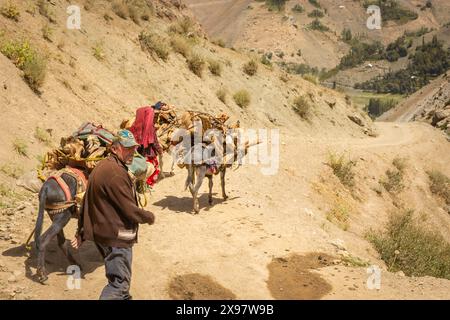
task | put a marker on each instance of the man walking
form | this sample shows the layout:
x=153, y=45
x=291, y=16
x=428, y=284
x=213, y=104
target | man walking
x=110, y=216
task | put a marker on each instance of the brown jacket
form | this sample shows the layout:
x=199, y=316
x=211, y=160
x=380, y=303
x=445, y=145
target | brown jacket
x=110, y=214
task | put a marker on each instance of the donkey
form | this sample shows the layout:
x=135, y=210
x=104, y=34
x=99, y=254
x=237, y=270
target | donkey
x=51, y=196
x=212, y=166
x=194, y=180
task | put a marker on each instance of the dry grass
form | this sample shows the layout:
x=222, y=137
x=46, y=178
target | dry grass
x=302, y=107
x=219, y=42
x=242, y=98
x=353, y=261
x=44, y=10
x=98, y=52
x=20, y=147
x=120, y=8
x=10, y=11
x=407, y=246
x=184, y=26
x=440, y=185
x=222, y=95
x=181, y=45
x=311, y=78
x=339, y=214
x=215, y=67
x=47, y=33
x=250, y=68
x=343, y=169
x=196, y=64
x=12, y=170
x=42, y=136
x=154, y=44
x=393, y=182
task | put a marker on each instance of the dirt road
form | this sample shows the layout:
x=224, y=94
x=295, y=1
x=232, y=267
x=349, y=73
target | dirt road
x=253, y=245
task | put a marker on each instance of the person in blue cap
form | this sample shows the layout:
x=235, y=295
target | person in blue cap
x=110, y=215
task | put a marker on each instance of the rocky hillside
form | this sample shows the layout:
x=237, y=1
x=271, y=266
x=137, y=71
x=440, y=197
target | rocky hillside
x=103, y=72
x=255, y=27
x=430, y=104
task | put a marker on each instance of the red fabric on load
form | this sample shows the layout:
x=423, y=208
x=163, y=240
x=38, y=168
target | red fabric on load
x=151, y=180
x=143, y=128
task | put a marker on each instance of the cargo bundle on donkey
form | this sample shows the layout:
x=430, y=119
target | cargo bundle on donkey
x=64, y=173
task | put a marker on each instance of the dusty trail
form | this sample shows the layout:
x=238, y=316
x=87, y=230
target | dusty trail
x=411, y=106
x=229, y=247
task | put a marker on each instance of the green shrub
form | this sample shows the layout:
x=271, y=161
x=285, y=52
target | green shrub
x=317, y=25
x=316, y=13
x=277, y=5
x=27, y=59
x=346, y=35
x=378, y=106
x=315, y=3
x=250, y=67
x=242, y=98
x=440, y=185
x=343, y=169
x=391, y=10
x=35, y=72
x=298, y=8
x=196, y=64
x=98, y=52
x=266, y=61
x=407, y=246
x=360, y=52
x=429, y=60
x=302, y=107
x=154, y=44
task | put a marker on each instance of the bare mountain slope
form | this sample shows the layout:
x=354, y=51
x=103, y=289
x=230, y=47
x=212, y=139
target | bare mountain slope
x=287, y=31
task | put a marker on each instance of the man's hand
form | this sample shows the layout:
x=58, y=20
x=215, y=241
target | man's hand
x=150, y=218
x=76, y=242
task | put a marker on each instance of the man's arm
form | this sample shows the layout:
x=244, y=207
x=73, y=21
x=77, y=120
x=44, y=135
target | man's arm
x=120, y=193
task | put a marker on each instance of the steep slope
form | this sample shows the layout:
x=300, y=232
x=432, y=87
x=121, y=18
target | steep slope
x=429, y=104
x=79, y=87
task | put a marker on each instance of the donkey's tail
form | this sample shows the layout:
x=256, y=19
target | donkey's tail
x=40, y=218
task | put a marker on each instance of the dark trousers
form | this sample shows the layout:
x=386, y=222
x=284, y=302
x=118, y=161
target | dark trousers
x=118, y=272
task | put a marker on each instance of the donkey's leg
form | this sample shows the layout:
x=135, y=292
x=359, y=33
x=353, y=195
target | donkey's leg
x=57, y=225
x=161, y=167
x=222, y=182
x=172, y=173
x=63, y=245
x=201, y=172
x=210, y=198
